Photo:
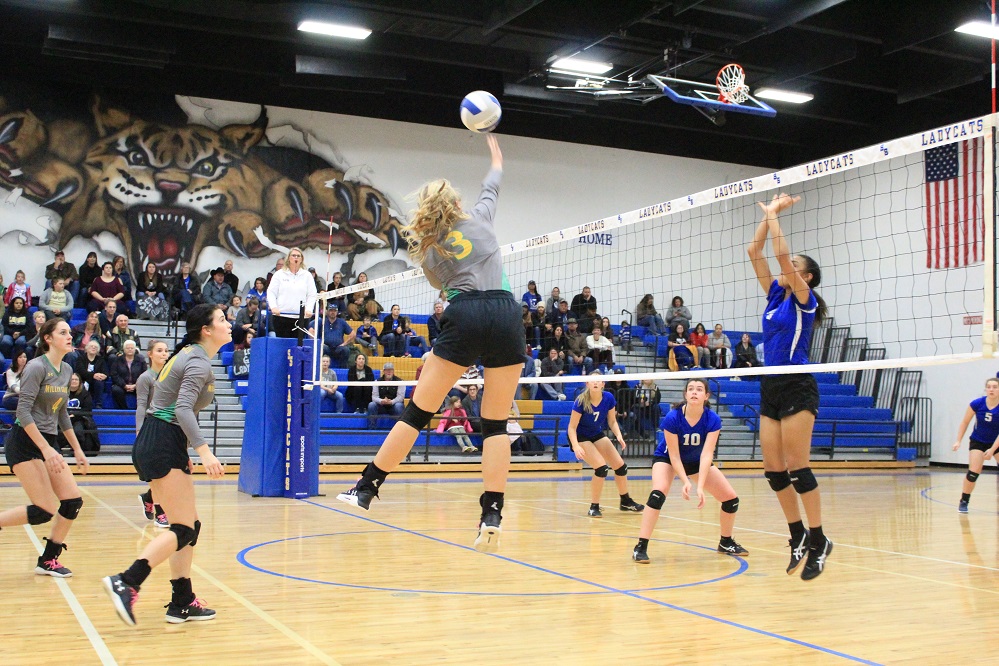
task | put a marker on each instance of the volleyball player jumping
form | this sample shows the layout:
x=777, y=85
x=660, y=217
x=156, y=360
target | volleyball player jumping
x=789, y=403
x=459, y=252
x=984, y=438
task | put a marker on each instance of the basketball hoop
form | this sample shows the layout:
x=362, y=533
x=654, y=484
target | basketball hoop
x=731, y=82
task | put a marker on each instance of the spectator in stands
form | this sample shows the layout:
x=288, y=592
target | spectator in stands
x=678, y=313
x=678, y=341
x=624, y=335
x=368, y=302
x=551, y=303
x=118, y=336
x=83, y=334
x=412, y=339
x=289, y=290
x=532, y=334
x=278, y=266
x=434, y=323
x=80, y=405
x=318, y=280
x=646, y=408
x=333, y=400
x=625, y=396
x=241, y=357
x=216, y=291
x=552, y=366
x=38, y=319
x=385, y=399
x=545, y=326
x=3, y=290
x=186, y=290
x=442, y=298
x=121, y=272
x=60, y=268
x=759, y=354
x=89, y=270
x=338, y=336
x=471, y=373
x=699, y=338
x=532, y=368
x=337, y=283
x=393, y=337
x=367, y=336
x=247, y=320
x=556, y=341
x=578, y=355
x=235, y=307
x=151, y=294
x=359, y=396
x=649, y=317
x=230, y=277
x=56, y=301
x=601, y=349
x=745, y=354
x=581, y=301
x=719, y=344
x=560, y=315
x=607, y=329
x=258, y=292
x=17, y=326
x=107, y=317
x=105, y=287
x=13, y=376
x=17, y=288
x=472, y=404
x=125, y=372
x=531, y=297
x=454, y=420
x=589, y=320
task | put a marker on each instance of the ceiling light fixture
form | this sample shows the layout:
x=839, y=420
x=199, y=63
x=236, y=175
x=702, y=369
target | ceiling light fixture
x=334, y=29
x=979, y=29
x=784, y=95
x=578, y=65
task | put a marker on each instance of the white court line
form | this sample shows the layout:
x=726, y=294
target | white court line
x=81, y=615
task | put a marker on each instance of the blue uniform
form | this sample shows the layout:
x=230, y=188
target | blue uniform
x=787, y=327
x=592, y=426
x=986, y=422
x=691, y=437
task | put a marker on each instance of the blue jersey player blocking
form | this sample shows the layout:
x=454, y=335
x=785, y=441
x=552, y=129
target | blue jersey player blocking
x=690, y=435
x=984, y=438
x=593, y=412
x=789, y=403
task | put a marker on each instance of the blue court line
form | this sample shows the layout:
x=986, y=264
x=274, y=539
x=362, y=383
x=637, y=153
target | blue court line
x=926, y=495
x=241, y=558
x=607, y=588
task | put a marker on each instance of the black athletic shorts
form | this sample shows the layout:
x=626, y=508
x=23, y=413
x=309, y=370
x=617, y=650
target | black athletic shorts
x=159, y=448
x=18, y=446
x=482, y=325
x=689, y=468
x=975, y=445
x=785, y=395
x=593, y=439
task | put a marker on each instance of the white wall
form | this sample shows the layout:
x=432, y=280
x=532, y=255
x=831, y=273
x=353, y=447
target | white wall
x=952, y=387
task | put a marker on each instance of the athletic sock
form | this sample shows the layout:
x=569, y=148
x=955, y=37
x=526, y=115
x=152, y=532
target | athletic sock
x=183, y=593
x=52, y=550
x=626, y=498
x=797, y=529
x=490, y=499
x=965, y=497
x=643, y=544
x=372, y=476
x=136, y=574
x=147, y=497
x=816, y=539
x=727, y=540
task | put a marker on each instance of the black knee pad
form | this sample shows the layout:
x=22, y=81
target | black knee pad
x=730, y=506
x=601, y=471
x=70, y=509
x=622, y=470
x=778, y=480
x=197, y=531
x=803, y=480
x=492, y=428
x=415, y=417
x=185, y=535
x=971, y=476
x=656, y=500
x=37, y=515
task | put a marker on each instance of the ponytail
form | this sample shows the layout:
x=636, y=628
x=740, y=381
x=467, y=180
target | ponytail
x=812, y=266
x=200, y=316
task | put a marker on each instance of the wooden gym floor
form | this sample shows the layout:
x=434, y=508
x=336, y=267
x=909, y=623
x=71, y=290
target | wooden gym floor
x=317, y=582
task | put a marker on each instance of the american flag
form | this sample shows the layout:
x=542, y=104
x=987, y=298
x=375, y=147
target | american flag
x=954, y=221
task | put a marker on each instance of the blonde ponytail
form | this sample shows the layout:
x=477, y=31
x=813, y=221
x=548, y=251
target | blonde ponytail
x=438, y=210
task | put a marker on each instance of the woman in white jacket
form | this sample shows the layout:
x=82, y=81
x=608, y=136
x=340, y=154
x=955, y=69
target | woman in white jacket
x=290, y=288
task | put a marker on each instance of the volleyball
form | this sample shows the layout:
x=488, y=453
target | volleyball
x=480, y=111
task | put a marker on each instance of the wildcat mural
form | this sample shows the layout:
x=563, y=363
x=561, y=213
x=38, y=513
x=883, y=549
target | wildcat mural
x=169, y=191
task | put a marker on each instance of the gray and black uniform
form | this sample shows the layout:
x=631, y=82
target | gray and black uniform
x=143, y=395
x=483, y=320
x=44, y=394
x=184, y=387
